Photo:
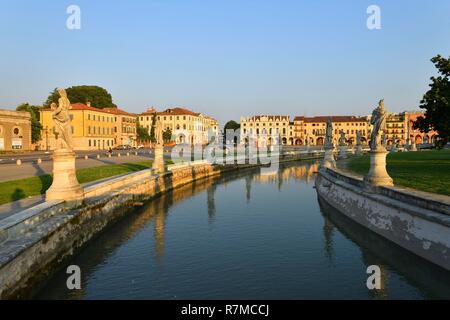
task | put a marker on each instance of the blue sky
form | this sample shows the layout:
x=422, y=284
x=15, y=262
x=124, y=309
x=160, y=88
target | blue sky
x=226, y=58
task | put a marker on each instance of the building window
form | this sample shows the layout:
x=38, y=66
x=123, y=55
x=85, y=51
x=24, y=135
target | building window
x=89, y=142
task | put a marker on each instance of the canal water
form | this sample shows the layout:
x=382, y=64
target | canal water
x=246, y=235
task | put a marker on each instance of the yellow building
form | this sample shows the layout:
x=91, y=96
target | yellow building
x=92, y=128
x=396, y=128
x=15, y=130
x=265, y=129
x=125, y=128
x=187, y=126
x=314, y=128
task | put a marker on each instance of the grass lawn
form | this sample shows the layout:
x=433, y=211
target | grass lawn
x=425, y=170
x=23, y=188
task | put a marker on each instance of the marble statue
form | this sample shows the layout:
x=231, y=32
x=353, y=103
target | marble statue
x=342, y=138
x=61, y=117
x=358, y=137
x=158, y=132
x=65, y=185
x=329, y=134
x=378, y=122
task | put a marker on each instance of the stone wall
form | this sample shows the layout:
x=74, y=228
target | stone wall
x=414, y=220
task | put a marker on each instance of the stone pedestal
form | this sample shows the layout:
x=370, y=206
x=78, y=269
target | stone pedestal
x=352, y=150
x=328, y=159
x=65, y=185
x=394, y=148
x=158, y=162
x=378, y=175
x=413, y=147
x=359, y=150
x=342, y=152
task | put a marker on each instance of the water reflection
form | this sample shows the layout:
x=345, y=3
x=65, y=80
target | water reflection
x=223, y=237
x=431, y=280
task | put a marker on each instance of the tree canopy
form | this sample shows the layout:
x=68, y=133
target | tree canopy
x=167, y=135
x=97, y=96
x=36, y=126
x=152, y=129
x=142, y=133
x=436, y=102
x=232, y=125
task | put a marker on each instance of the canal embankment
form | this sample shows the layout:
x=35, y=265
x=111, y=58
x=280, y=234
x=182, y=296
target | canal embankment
x=34, y=242
x=415, y=220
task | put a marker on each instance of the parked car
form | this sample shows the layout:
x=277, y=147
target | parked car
x=141, y=146
x=123, y=147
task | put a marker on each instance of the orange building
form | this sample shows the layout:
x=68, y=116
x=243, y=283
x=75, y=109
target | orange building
x=416, y=135
x=315, y=129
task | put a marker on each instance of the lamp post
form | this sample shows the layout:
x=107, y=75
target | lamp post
x=46, y=138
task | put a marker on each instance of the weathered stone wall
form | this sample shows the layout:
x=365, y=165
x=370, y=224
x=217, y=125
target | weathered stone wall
x=417, y=221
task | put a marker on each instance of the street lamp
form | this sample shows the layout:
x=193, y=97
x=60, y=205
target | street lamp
x=46, y=138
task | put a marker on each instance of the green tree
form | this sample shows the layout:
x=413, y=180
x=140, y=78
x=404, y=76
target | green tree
x=36, y=126
x=142, y=133
x=232, y=125
x=97, y=96
x=152, y=129
x=167, y=135
x=436, y=102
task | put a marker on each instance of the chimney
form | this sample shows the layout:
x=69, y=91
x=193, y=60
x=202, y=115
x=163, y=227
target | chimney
x=88, y=103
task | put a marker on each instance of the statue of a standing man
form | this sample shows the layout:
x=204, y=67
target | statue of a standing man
x=378, y=122
x=342, y=137
x=329, y=134
x=158, y=132
x=358, y=137
x=61, y=117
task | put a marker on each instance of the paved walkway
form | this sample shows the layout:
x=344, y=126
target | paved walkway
x=10, y=172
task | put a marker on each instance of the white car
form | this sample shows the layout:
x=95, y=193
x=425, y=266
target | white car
x=141, y=146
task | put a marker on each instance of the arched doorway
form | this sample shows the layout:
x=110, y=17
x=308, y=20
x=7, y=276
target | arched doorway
x=418, y=139
x=181, y=139
x=291, y=141
x=433, y=138
x=284, y=141
x=319, y=141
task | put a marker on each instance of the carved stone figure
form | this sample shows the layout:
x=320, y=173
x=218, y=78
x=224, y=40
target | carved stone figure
x=378, y=123
x=358, y=137
x=342, y=138
x=65, y=185
x=378, y=175
x=61, y=117
x=329, y=134
x=159, y=132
